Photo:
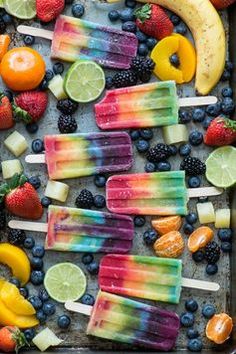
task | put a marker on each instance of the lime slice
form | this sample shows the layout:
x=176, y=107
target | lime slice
x=85, y=81
x=23, y=9
x=1, y=3
x=221, y=167
x=65, y=282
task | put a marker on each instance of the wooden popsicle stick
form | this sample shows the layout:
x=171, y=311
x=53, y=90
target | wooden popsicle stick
x=28, y=225
x=204, y=192
x=197, y=101
x=200, y=284
x=77, y=307
x=36, y=32
x=35, y=158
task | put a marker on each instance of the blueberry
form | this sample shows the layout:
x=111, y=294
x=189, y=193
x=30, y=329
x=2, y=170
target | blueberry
x=191, y=305
x=87, y=299
x=29, y=334
x=49, y=309
x=185, y=150
x=93, y=268
x=15, y=281
x=43, y=295
x=143, y=49
x=198, y=115
x=8, y=19
x=36, y=263
x=195, y=345
x=187, y=319
x=134, y=134
x=150, y=167
x=37, y=146
x=77, y=10
x=181, y=28
x=130, y=3
x=226, y=75
x=227, y=92
x=9, y=94
x=32, y=128
x=63, y=321
x=227, y=105
x=113, y=15
x=100, y=181
x=202, y=199
x=229, y=66
x=173, y=149
x=188, y=229
x=195, y=138
x=45, y=201
x=208, y=311
x=174, y=60
x=29, y=40
x=36, y=302
x=194, y=182
x=43, y=85
x=211, y=269
x=214, y=109
x=34, y=181
x=163, y=166
x=146, y=134
x=58, y=68
x=142, y=145
x=192, y=333
x=226, y=247
x=198, y=256
x=151, y=42
x=37, y=277
x=150, y=237
x=49, y=75
x=99, y=201
x=175, y=19
x=139, y=221
x=41, y=316
x=225, y=235
x=24, y=291
x=127, y=15
x=142, y=37
x=109, y=82
x=29, y=242
x=87, y=258
x=184, y=117
x=207, y=121
x=38, y=251
x=191, y=218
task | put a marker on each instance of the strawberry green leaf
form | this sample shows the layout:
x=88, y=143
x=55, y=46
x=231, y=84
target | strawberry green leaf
x=143, y=13
x=21, y=114
x=4, y=190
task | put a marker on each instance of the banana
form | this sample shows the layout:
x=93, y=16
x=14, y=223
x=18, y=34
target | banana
x=209, y=35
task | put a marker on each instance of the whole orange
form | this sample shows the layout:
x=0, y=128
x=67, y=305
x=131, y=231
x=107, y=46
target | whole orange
x=22, y=69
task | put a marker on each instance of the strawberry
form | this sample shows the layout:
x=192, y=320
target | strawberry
x=152, y=20
x=222, y=4
x=221, y=131
x=6, y=113
x=30, y=105
x=21, y=198
x=11, y=339
x=49, y=10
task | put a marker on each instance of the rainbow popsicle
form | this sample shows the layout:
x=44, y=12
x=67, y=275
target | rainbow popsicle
x=128, y=321
x=76, y=39
x=160, y=193
x=77, y=155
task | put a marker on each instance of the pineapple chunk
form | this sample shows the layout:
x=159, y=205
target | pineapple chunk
x=16, y=143
x=222, y=219
x=174, y=134
x=45, y=339
x=56, y=87
x=206, y=213
x=57, y=190
x=10, y=167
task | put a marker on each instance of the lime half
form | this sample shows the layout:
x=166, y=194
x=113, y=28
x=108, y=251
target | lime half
x=65, y=282
x=221, y=167
x=85, y=81
x=23, y=9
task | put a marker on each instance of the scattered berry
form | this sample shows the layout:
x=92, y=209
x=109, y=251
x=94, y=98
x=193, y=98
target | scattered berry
x=24, y=291
x=67, y=106
x=194, y=182
x=15, y=281
x=192, y=333
x=45, y=201
x=38, y=251
x=139, y=221
x=63, y=321
x=188, y=229
x=141, y=37
x=175, y=19
x=195, y=138
x=85, y=200
x=225, y=235
x=67, y=124
x=37, y=146
x=29, y=242
x=212, y=252
x=226, y=247
x=181, y=29
x=2, y=219
x=185, y=150
x=100, y=181
x=208, y=311
x=93, y=268
x=227, y=105
x=41, y=316
x=29, y=334
x=195, y=345
x=149, y=237
x=36, y=263
x=151, y=42
x=43, y=295
x=227, y=92
x=29, y=40
x=211, y=269
x=113, y=15
x=130, y=3
x=191, y=305
x=129, y=26
x=198, y=115
x=198, y=256
x=146, y=134
x=158, y=153
x=173, y=150
x=187, y=319
x=35, y=181
x=32, y=128
x=163, y=166
x=49, y=75
x=127, y=15
x=109, y=82
x=226, y=75
x=143, y=67
x=207, y=121
x=142, y=145
x=213, y=109
x=134, y=134
x=229, y=66
x=191, y=218
x=99, y=201
x=49, y=309
x=87, y=299
x=37, y=277
x=184, y=117
x=174, y=60
x=58, y=68
x=35, y=302
x=150, y=167
x=87, y=258
x=16, y=237
x=193, y=166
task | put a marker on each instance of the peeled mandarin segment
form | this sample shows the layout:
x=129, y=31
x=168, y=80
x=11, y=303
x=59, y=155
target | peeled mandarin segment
x=170, y=245
x=219, y=328
x=4, y=44
x=166, y=224
x=16, y=260
x=222, y=219
x=200, y=238
x=206, y=213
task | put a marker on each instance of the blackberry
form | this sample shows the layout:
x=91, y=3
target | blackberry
x=158, y=153
x=193, y=166
x=2, y=219
x=85, y=200
x=16, y=237
x=67, y=124
x=143, y=67
x=125, y=78
x=67, y=106
x=212, y=252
